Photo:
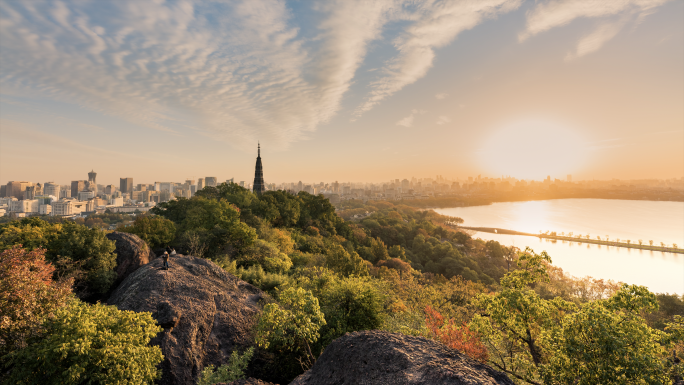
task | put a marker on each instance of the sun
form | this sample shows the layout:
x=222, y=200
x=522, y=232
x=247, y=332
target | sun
x=533, y=150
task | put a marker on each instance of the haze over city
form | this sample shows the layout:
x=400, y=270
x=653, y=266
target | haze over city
x=349, y=91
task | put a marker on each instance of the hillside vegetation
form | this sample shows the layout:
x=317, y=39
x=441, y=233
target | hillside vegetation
x=373, y=266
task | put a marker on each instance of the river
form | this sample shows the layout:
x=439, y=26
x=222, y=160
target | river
x=616, y=219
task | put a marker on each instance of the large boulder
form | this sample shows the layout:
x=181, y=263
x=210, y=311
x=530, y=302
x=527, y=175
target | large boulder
x=131, y=253
x=378, y=357
x=206, y=313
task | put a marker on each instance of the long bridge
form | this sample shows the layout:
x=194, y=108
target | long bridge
x=576, y=239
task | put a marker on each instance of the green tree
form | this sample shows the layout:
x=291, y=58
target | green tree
x=607, y=342
x=557, y=342
x=352, y=304
x=156, y=231
x=89, y=251
x=378, y=250
x=512, y=321
x=266, y=255
x=344, y=263
x=215, y=224
x=31, y=233
x=90, y=344
x=294, y=326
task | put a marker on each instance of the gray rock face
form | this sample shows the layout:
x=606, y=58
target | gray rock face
x=167, y=315
x=131, y=253
x=377, y=357
x=206, y=313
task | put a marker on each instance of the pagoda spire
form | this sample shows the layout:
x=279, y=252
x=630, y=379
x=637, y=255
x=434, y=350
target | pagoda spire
x=259, y=186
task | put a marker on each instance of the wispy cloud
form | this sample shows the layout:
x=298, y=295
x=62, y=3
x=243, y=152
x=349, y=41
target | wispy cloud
x=441, y=96
x=434, y=24
x=408, y=121
x=612, y=15
x=443, y=120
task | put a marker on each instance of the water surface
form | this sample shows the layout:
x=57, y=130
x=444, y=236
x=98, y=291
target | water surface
x=615, y=219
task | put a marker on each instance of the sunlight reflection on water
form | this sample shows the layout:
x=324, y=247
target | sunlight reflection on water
x=617, y=219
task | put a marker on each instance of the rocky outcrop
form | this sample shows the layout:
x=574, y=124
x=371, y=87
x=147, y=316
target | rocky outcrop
x=377, y=357
x=206, y=313
x=131, y=253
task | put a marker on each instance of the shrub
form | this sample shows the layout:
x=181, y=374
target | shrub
x=293, y=327
x=90, y=344
x=279, y=237
x=344, y=263
x=268, y=282
x=233, y=370
x=88, y=250
x=267, y=256
x=28, y=295
x=462, y=339
x=351, y=304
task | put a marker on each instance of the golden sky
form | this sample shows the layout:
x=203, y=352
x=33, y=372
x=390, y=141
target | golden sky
x=341, y=90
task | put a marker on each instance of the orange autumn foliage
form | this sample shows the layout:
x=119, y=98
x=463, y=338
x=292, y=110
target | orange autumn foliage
x=462, y=339
x=28, y=295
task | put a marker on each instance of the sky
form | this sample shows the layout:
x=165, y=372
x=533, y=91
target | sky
x=341, y=90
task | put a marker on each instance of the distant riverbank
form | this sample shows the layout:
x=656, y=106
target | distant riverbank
x=488, y=198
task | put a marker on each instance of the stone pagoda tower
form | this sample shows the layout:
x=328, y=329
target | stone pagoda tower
x=259, y=185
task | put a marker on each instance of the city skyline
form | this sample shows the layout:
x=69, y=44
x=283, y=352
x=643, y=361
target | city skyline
x=172, y=90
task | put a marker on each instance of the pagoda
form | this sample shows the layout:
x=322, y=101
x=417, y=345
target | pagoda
x=259, y=186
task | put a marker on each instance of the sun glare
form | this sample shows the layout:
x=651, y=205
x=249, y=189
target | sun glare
x=533, y=150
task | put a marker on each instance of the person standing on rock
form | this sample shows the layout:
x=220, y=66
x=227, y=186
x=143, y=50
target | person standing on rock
x=165, y=257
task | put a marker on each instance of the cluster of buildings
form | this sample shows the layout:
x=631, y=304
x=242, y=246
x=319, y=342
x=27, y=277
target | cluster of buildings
x=84, y=197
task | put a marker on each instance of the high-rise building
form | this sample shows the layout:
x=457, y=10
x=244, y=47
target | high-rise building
x=33, y=191
x=92, y=175
x=200, y=184
x=51, y=188
x=210, y=181
x=126, y=185
x=259, y=185
x=3, y=191
x=569, y=178
x=85, y=195
x=16, y=189
x=62, y=207
x=76, y=187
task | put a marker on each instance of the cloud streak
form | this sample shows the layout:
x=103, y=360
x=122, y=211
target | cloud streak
x=434, y=25
x=408, y=121
x=612, y=15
